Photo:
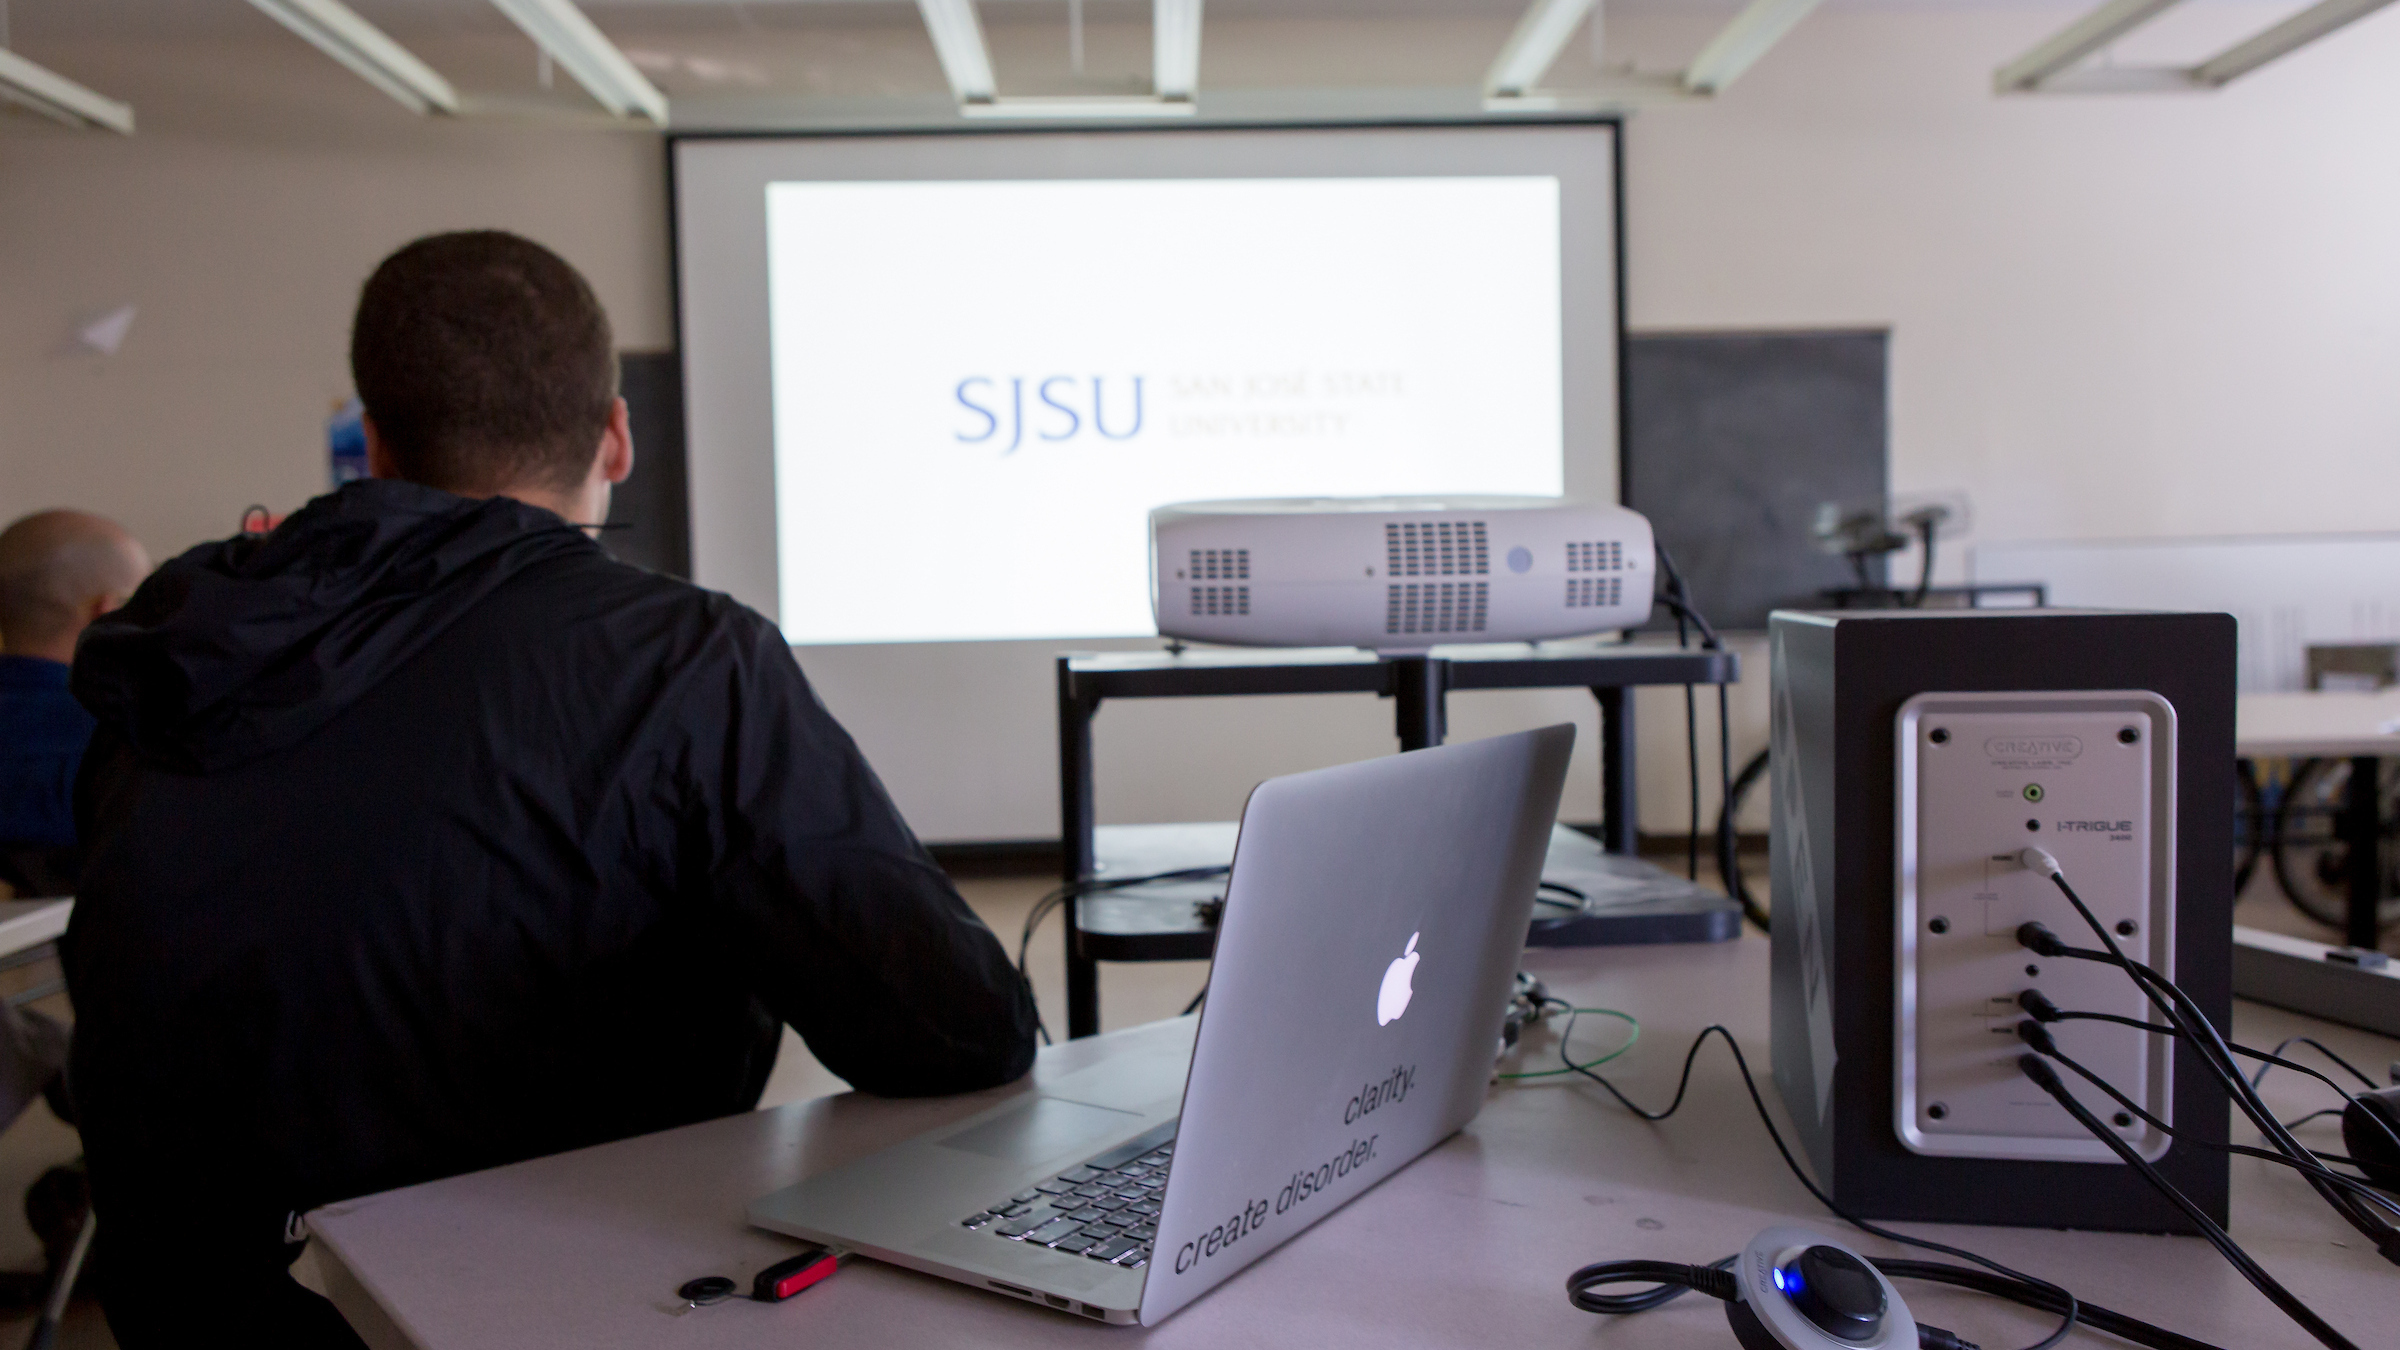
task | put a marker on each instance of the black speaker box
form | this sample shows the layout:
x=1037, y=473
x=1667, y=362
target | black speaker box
x=1839, y=680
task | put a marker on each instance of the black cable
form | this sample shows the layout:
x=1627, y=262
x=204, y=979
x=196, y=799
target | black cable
x=2033, y=1066
x=1673, y=1281
x=2181, y=1010
x=2319, y=1046
x=2033, y=1034
x=2116, y=1324
x=1090, y=886
x=2068, y=1300
x=1194, y=1005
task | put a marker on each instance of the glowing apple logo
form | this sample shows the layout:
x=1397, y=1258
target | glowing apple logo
x=1392, y=999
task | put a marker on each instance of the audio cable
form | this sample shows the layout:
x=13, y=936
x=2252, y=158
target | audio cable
x=1093, y=886
x=2056, y=1299
x=2191, y=1025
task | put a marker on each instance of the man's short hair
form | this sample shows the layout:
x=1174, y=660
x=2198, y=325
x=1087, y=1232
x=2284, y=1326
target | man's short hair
x=485, y=362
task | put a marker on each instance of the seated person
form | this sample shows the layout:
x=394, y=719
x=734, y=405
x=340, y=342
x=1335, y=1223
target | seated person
x=59, y=570
x=424, y=837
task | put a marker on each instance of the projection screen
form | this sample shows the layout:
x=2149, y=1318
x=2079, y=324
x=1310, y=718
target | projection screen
x=934, y=382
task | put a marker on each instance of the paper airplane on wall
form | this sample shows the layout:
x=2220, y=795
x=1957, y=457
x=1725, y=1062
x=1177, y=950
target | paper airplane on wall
x=106, y=333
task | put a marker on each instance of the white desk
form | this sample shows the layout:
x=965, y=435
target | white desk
x=1470, y=1246
x=2321, y=725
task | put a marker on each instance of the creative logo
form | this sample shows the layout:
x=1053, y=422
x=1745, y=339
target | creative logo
x=2033, y=747
x=1064, y=409
x=1392, y=999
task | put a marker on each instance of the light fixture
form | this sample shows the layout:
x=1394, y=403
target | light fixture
x=562, y=30
x=55, y=96
x=1533, y=47
x=1531, y=50
x=336, y=30
x=958, y=43
x=1175, y=48
x=2051, y=67
x=1743, y=41
x=2076, y=41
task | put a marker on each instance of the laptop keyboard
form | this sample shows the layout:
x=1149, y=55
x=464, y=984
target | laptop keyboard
x=1105, y=1208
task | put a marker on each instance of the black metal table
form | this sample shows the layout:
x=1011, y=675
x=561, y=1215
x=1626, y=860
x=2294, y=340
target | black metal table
x=1419, y=687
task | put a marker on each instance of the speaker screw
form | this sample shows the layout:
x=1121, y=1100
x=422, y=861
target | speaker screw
x=2128, y=735
x=1939, y=736
x=2123, y=1119
x=2127, y=928
x=1937, y=1111
x=1939, y=924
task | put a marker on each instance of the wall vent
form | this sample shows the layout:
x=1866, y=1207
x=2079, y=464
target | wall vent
x=1220, y=601
x=1594, y=592
x=1220, y=564
x=1436, y=549
x=1601, y=556
x=1437, y=607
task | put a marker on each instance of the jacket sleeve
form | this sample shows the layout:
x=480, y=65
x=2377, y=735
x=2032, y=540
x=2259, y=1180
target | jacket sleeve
x=842, y=923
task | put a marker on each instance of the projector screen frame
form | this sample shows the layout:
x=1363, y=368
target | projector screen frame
x=961, y=732
x=699, y=500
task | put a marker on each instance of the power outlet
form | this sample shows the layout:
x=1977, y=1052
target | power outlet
x=2089, y=777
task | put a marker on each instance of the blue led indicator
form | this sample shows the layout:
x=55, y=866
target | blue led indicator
x=1779, y=1279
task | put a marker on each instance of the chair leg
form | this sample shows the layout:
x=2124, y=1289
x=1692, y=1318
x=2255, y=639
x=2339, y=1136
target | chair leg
x=62, y=1288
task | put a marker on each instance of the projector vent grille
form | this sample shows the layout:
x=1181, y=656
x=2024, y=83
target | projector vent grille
x=1220, y=564
x=1220, y=601
x=1601, y=556
x=1594, y=592
x=1437, y=607
x=1436, y=549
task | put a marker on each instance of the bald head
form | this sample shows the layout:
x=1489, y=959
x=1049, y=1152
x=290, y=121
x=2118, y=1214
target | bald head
x=59, y=570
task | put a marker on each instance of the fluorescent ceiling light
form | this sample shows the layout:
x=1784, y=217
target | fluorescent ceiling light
x=2052, y=66
x=1107, y=107
x=1531, y=50
x=1747, y=38
x=560, y=29
x=54, y=95
x=2302, y=28
x=2076, y=41
x=336, y=30
x=1175, y=48
x=958, y=42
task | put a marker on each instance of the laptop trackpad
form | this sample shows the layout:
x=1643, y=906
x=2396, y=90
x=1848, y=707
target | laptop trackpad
x=1042, y=1128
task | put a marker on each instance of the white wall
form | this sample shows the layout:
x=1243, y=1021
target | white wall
x=2111, y=316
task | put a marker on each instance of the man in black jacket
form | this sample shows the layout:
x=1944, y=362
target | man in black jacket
x=424, y=837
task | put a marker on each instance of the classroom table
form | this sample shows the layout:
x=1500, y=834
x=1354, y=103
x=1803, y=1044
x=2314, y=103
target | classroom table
x=2334, y=724
x=1469, y=1246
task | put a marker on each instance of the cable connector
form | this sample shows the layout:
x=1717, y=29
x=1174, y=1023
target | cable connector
x=2037, y=935
x=2038, y=1036
x=2044, y=1077
x=2039, y=860
x=1934, y=1338
x=2038, y=1005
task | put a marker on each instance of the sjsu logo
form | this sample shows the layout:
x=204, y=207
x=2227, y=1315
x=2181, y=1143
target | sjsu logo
x=1067, y=405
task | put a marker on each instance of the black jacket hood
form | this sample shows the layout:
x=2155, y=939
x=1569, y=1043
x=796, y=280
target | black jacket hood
x=242, y=647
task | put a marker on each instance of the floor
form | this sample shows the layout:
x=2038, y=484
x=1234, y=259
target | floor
x=1130, y=995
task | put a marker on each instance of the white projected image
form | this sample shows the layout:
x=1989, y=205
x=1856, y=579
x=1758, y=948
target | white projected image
x=981, y=388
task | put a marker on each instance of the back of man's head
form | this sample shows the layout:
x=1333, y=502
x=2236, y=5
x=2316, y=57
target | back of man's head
x=485, y=363
x=58, y=571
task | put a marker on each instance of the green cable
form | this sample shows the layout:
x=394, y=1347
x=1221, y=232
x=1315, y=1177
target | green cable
x=1632, y=1035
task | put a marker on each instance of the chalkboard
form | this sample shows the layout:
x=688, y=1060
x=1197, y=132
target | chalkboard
x=651, y=511
x=1732, y=442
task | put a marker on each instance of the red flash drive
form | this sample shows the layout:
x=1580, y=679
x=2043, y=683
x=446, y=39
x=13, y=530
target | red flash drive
x=786, y=1278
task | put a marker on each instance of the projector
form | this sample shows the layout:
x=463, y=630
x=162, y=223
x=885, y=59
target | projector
x=1397, y=574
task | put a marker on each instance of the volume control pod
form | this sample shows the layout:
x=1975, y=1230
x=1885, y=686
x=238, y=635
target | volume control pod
x=1806, y=1292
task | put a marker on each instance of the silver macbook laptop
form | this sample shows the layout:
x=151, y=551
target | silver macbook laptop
x=1373, y=921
